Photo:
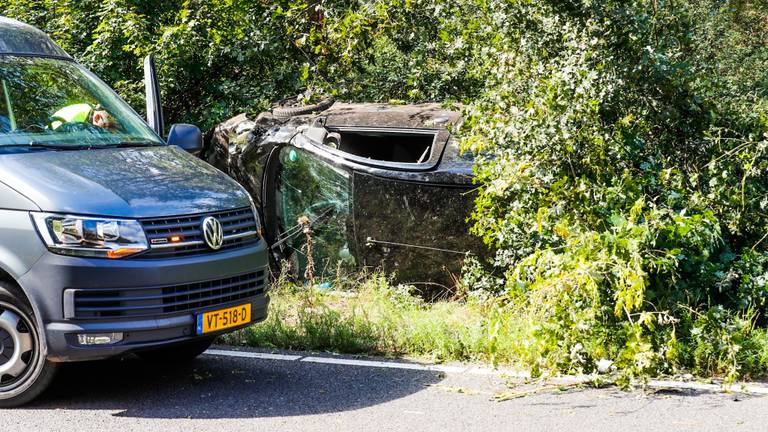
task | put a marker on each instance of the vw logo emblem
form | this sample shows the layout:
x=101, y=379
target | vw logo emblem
x=213, y=233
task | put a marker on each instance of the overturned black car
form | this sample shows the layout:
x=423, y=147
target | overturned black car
x=382, y=186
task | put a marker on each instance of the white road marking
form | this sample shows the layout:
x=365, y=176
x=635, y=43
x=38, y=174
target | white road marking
x=248, y=354
x=491, y=371
x=752, y=388
x=448, y=369
x=383, y=364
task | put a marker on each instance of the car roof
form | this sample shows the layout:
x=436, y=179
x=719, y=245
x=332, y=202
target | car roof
x=17, y=38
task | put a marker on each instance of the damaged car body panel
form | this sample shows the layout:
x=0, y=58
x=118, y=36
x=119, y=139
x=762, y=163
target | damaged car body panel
x=383, y=186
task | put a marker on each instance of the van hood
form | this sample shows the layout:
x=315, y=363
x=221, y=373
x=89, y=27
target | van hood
x=125, y=182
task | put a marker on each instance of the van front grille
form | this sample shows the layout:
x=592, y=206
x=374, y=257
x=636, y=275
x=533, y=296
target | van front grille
x=154, y=301
x=240, y=230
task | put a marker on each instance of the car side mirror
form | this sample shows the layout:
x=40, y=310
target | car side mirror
x=186, y=136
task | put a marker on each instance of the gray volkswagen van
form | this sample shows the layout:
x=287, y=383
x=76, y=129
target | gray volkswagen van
x=112, y=240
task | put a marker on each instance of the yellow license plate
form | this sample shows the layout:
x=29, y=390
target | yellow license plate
x=223, y=319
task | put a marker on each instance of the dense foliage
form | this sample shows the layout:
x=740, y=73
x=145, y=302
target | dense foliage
x=622, y=144
x=625, y=182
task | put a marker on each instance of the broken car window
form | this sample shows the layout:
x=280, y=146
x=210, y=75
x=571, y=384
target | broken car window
x=309, y=187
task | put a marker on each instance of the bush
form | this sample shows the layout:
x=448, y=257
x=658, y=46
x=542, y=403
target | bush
x=623, y=182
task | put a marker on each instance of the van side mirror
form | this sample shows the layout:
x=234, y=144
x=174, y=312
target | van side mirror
x=186, y=136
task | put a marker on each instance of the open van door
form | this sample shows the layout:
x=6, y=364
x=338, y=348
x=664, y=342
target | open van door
x=154, y=105
x=185, y=136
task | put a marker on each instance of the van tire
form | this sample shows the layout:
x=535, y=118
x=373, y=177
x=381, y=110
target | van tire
x=38, y=373
x=177, y=353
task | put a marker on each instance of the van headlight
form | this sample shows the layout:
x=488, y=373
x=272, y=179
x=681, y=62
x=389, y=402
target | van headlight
x=89, y=236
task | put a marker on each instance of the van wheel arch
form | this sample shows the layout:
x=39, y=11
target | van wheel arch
x=26, y=371
x=18, y=290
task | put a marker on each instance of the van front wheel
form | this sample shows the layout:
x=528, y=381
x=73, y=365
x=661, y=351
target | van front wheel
x=24, y=372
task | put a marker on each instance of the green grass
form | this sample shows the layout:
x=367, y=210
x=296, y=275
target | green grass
x=369, y=315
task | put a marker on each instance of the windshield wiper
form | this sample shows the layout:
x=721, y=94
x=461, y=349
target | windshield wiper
x=53, y=146
x=39, y=144
x=136, y=144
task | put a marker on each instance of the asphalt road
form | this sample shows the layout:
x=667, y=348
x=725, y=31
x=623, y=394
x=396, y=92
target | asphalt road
x=244, y=394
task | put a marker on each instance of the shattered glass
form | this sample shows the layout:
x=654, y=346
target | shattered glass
x=307, y=186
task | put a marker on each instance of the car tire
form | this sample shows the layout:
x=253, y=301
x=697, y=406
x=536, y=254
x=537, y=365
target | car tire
x=24, y=371
x=177, y=353
x=301, y=110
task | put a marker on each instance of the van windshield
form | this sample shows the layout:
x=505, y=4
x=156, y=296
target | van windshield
x=58, y=103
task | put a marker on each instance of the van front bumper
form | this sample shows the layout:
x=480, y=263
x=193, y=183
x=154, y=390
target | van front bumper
x=51, y=281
